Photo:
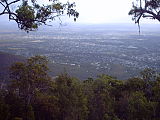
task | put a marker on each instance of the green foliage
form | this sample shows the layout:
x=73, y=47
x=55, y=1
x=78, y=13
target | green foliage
x=148, y=74
x=30, y=14
x=57, y=6
x=26, y=18
x=29, y=113
x=71, y=99
x=29, y=78
x=135, y=84
x=156, y=89
x=139, y=107
x=46, y=107
x=33, y=95
x=17, y=118
x=4, y=109
x=101, y=101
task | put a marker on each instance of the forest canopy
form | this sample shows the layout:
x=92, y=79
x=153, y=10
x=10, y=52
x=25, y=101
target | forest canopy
x=32, y=95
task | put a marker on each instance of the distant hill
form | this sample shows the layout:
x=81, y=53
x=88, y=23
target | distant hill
x=82, y=72
x=6, y=60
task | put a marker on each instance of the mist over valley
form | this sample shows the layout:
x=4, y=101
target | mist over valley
x=89, y=50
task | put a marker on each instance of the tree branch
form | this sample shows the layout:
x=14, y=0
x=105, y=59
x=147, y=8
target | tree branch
x=29, y=16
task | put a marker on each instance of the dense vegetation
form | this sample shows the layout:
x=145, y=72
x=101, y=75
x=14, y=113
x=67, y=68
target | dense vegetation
x=32, y=95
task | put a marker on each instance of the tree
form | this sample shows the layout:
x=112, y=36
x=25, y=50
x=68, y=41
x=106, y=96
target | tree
x=156, y=97
x=145, y=9
x=135, y=84
x=46, y=106
x=101, y=102
x=148, y=74
x=29, y=14
x=72, y=103
x=30, y=78
x=139, y=107
x=4, y=108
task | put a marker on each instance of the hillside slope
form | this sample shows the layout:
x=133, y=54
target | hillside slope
x=6, y=60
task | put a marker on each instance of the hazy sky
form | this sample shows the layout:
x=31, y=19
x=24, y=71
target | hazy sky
x=100, y=11
x=104, y=11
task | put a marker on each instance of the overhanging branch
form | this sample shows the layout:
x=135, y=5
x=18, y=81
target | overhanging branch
x=29, y=16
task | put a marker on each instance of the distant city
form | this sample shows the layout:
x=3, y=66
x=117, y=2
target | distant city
x=88, y=50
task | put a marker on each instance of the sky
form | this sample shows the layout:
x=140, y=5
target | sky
x=99, y=11
x=104, y=11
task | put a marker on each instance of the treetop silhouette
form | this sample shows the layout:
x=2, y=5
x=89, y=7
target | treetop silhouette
x=145, y=9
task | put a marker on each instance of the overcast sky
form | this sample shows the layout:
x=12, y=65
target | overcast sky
x=104, y=11
x=100, y=11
